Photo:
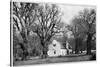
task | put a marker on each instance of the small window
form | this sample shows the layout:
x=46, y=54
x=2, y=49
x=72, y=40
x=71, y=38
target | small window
x=69, y=47
x=54, y=45
x=54, y=52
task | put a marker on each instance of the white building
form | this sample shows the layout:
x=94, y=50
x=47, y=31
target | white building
x=56, y=49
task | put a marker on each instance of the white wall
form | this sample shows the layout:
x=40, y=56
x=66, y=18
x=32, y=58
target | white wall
x=56, y=50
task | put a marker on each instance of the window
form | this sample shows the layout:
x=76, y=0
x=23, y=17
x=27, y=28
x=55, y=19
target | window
x=54, y=52
x=54, y=45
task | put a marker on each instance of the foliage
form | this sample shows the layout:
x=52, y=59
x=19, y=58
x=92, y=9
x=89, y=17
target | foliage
x=84, y=24
x=23, y=17
x=40, y=19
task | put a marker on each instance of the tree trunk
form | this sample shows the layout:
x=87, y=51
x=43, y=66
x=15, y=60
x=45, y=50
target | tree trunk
x=44, y=51
x=76, y=46
x=44, y=43
x=89, y=44
x=25, y=44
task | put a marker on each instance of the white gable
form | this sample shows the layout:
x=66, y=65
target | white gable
x=55, y=49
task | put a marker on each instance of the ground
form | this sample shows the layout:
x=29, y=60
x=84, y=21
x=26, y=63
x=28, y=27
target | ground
x=74, y=58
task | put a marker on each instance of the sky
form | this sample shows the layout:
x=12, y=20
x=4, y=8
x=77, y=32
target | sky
x=69, y=11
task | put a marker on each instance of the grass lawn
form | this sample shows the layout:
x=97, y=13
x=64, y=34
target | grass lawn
x=55, y=60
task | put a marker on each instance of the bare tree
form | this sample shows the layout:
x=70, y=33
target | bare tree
x=42, y=19
x=47, y=25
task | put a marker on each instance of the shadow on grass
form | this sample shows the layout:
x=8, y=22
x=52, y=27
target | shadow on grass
x=50, y=60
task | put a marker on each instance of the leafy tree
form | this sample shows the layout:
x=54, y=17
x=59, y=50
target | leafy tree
x=86, y=23
x=89, y=24
x=23, y=17
x=74, y=28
